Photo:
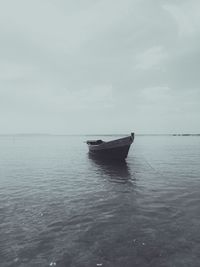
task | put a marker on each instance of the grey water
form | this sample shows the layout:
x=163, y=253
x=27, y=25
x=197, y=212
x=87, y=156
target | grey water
x=59, y=207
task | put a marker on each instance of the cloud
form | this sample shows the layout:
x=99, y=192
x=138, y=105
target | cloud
x=186, y=15
x=12, y=71
x=110, y=62
x=89, y=99
x=151, y=58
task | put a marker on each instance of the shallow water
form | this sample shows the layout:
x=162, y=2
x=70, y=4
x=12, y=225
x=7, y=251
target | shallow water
x=59, y=207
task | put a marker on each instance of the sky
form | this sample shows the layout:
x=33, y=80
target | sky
x=99, y=66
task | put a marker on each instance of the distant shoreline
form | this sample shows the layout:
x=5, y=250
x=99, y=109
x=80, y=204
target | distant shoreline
x=45, y=134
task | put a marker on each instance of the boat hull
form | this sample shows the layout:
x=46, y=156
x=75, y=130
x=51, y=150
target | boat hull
x=111, y=153
x=112, y=150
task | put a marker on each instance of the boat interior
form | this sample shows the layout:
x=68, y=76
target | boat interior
x=94, y=142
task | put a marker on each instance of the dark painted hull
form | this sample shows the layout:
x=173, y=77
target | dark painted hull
x=111, y=153
x=111, y=150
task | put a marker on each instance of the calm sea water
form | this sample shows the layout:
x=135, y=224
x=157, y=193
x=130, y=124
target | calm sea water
x=58, y=207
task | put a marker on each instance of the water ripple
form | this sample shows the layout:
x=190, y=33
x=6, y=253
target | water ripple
x=60, y=207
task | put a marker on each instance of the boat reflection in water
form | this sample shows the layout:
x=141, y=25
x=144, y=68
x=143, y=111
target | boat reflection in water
x=116, y=171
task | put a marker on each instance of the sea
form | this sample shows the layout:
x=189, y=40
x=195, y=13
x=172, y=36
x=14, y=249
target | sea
x=59, y=207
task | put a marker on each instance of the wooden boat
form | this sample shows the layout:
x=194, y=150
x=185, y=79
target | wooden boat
x=115, y=149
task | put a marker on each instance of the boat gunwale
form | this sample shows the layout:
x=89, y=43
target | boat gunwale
x=111, y=141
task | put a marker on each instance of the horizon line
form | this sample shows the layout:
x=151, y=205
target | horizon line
x=100, y=134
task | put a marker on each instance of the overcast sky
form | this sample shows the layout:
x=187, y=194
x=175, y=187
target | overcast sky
x=99, y=66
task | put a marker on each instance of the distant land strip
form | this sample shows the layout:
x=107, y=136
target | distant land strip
x=46, y=134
